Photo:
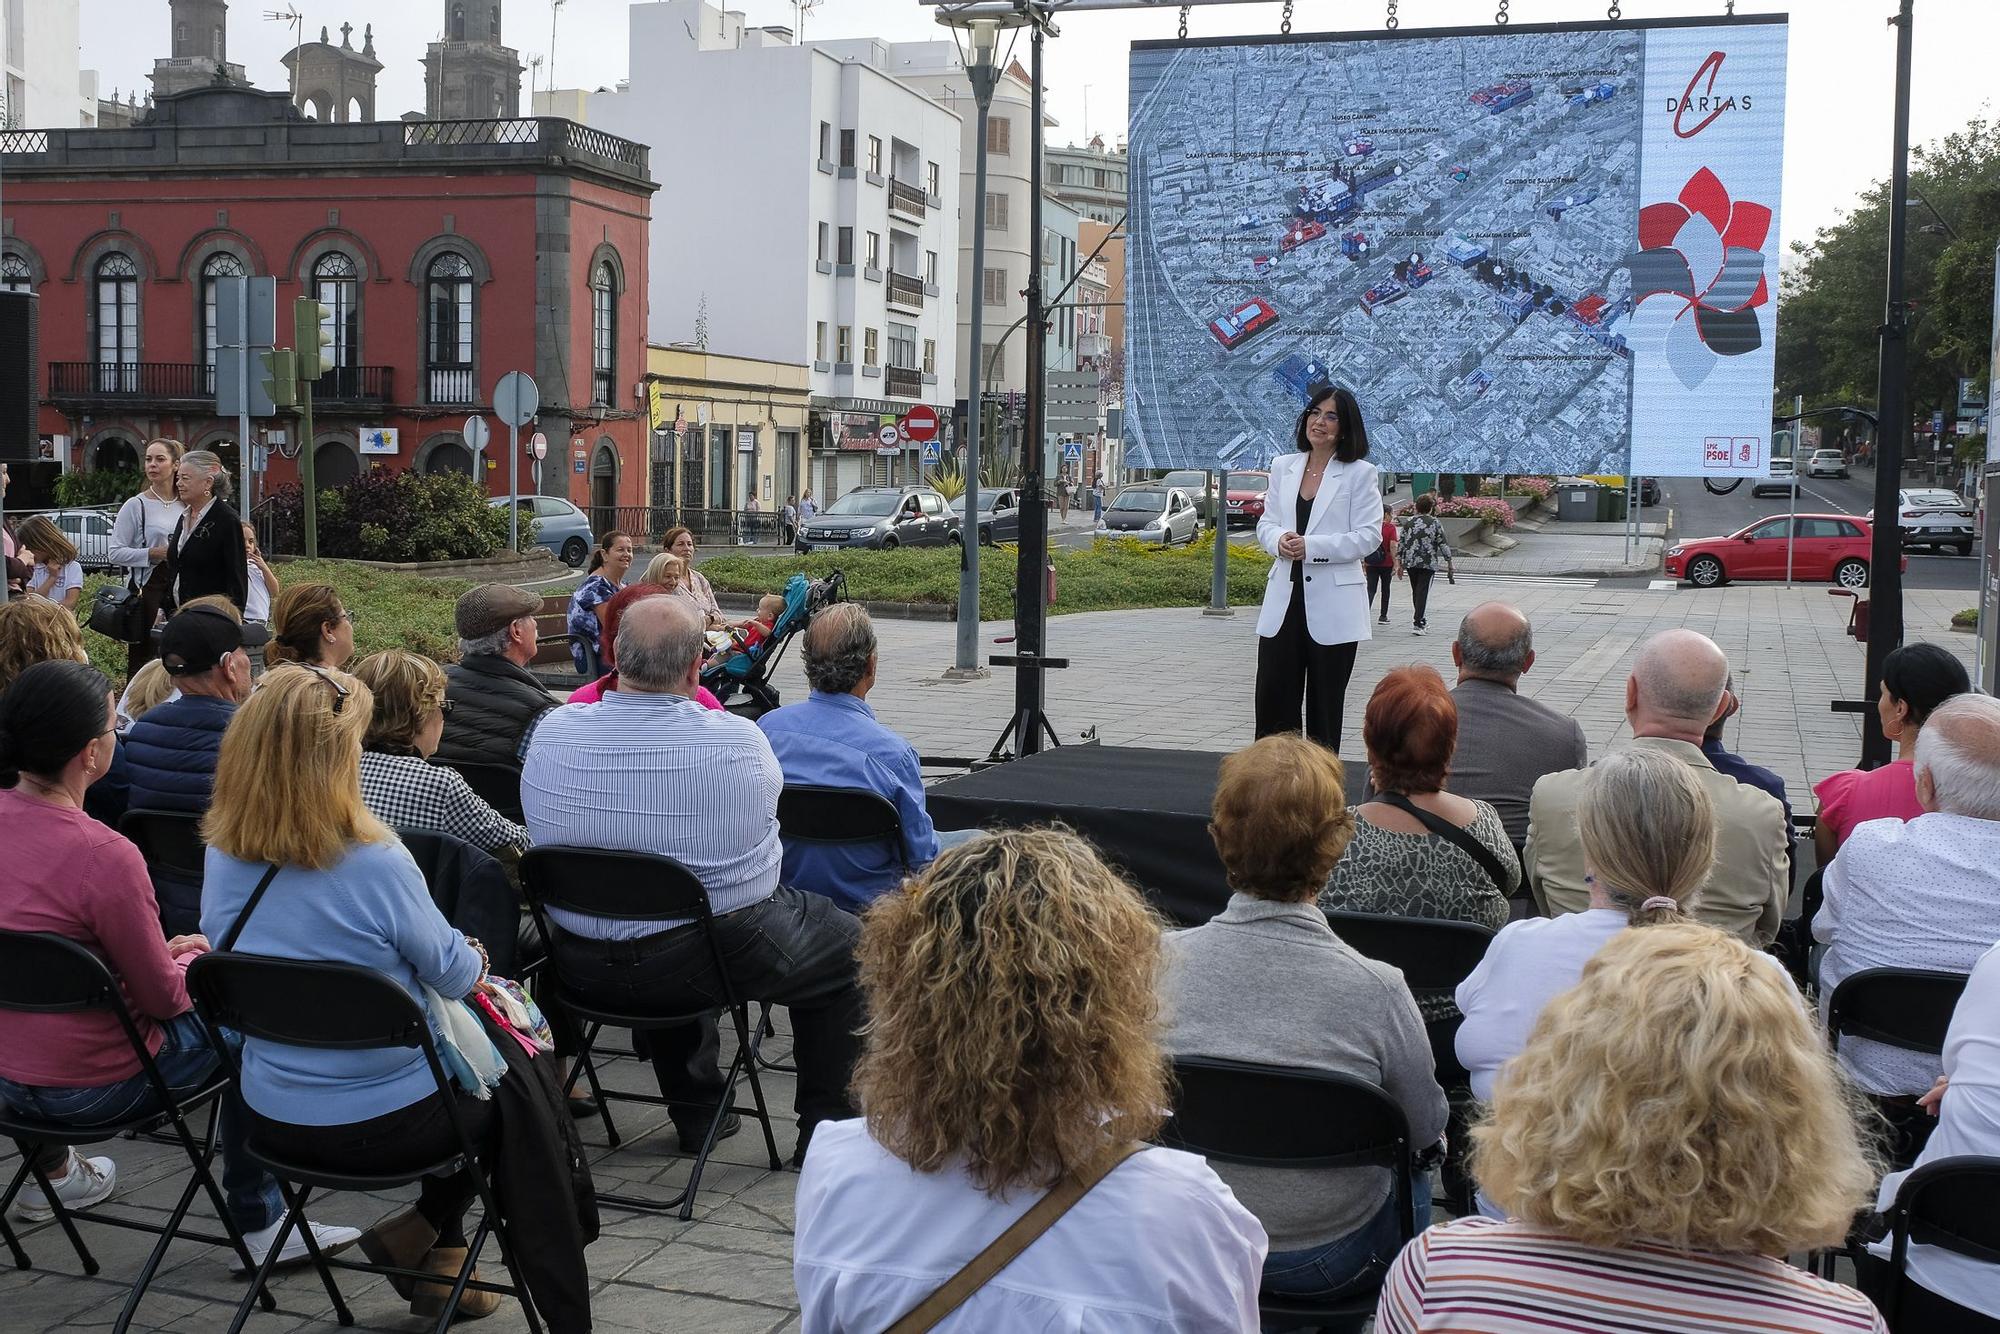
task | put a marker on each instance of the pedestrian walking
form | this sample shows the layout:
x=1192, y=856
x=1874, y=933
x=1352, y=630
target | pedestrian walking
x=807, y=506
x=746, y=531
x=1424, y=548
x=789, y=522
x=1062, y=494
x=1097, y=500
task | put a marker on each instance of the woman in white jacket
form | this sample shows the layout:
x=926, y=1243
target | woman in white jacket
x=140, y=533
x=1323, y=513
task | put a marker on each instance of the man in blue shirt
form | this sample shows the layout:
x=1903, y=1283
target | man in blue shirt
x=1752, y=775
x=831, y=739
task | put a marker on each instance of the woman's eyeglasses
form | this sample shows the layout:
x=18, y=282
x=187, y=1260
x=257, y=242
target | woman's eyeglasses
x=340, y=692
x=1328, y=417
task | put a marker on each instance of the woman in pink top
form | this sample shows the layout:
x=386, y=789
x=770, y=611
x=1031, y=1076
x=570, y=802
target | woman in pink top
x=1916, y=678
x=613, y=610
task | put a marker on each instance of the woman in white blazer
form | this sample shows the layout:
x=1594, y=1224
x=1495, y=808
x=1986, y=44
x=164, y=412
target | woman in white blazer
x=1322, y=514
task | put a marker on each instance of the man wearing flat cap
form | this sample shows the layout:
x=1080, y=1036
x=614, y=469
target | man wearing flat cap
x=495, y=700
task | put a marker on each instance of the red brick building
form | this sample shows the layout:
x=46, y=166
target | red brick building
x=450, y=252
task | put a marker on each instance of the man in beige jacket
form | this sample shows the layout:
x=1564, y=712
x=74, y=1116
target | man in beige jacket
x=1674, y=692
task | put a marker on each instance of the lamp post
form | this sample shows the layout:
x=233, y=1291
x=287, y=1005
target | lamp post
x=978, y=39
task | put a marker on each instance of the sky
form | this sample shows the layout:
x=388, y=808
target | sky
x=1839, y=90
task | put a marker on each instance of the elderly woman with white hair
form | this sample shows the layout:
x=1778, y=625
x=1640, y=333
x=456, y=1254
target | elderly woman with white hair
x=206, y=551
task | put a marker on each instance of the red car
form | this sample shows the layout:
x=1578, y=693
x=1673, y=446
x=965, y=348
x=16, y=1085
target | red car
x=1243, y=496
x=1235, y=327
x=1830, y=548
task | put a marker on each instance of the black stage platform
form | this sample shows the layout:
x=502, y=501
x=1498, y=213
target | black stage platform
x=1146, y=810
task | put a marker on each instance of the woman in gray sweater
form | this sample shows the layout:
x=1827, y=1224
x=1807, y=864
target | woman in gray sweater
x=1267, y=981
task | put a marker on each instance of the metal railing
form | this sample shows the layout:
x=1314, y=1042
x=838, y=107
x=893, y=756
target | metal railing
x=907, y=199
x=451, y=384
x=354, y=384
x=182, y=381
x=903, y=381
x=546, y=132
x=713, y=528
x=906, y=290
x=24, y=141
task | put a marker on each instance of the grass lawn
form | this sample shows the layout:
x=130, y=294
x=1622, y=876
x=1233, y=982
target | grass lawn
x=1111, y=575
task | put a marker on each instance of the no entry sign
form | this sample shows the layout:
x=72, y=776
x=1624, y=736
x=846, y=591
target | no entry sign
x=921, y=423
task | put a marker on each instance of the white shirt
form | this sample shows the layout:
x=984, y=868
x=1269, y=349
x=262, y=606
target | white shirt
x=55, y=584
x=257, y=605
x=1159, y=1245
x=1968, y=1125
x=1527, y=965
x=144, y=522
x=1920, y=895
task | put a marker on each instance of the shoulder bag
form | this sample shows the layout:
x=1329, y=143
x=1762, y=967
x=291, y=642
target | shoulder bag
x=1450, y=833
x=118, y=613
x=981, y=1268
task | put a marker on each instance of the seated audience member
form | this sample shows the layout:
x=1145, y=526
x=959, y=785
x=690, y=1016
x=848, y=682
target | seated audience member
x=695, y=589
x=1648, y=834
x=612, y=612
x=1966, y=1103
x=1413, y=853
x=57, y=574
x=1674, y=692
x=1672, y=1131
x=1267, y=981
x=667, y=570
x=832, y=739
x=700, y=786
x=1734, y=765
x=495, y=700
x=1922, y=894
x=32, y=630
x=402, y=787
x=981, y=1094
x=758, y=628
x=149, y=688
x=171, y=751
x=66, y=874
x=1916, y=679
x=339, y=888
x=309, y=625
x=609, y=564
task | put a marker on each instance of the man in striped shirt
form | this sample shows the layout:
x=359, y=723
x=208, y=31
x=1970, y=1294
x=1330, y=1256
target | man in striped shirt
x=647, y=769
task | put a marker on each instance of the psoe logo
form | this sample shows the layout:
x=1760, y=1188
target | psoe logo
x=1706, y=103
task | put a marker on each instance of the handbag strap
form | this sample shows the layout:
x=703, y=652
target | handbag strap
x=249, y=906
x=1451, y=833
x=980, y=1270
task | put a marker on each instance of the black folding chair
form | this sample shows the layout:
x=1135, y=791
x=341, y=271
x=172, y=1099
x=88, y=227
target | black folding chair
x=1795, y=939
x=1947, y=1204
x=49, y=974
x=498, y=785
x=344, y=1007
x=839, y=817
x=643, y=887
x=1908, y=1008
x=168, y=840
x=1279, y=1116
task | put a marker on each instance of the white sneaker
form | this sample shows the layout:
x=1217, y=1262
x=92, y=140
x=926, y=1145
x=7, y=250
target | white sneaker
x=85, y=1181
x=331, y=1241
x=1418, y=630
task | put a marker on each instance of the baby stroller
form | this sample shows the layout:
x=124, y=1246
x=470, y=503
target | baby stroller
x=749, y=672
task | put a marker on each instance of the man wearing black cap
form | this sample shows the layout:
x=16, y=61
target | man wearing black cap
x=171, y=751
x=495, y=699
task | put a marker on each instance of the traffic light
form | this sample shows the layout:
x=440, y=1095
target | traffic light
x=311, y=331
x=280, y=377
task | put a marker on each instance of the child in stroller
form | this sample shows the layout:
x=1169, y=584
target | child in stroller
x=748, y=672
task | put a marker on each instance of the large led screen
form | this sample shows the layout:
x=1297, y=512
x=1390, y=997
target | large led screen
x=1526, y=250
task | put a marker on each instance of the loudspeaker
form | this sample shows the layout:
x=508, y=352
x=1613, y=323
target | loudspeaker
x=20, y=369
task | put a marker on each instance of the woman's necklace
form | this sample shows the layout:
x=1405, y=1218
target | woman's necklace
x=51, y=791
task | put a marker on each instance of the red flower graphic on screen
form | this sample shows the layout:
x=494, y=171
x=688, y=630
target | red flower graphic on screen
x=1703, y=254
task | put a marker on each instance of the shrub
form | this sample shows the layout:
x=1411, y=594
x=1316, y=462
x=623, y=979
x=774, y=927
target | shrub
x=1489, y=508
x=1967, y=619
x=1539, y=487
x=98, y=486
x=394, y=516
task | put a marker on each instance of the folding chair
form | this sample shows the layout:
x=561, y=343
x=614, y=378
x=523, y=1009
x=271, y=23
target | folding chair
x=839, y=817
x=642, y=887
x=168, y=840
x=1279, y=1116
x=42, y=973
x=343, y=1007
x=1947, y=1204
x=498, y=785
x=1906, y=1008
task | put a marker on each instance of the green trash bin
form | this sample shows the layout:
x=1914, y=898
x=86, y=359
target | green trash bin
x=1611, y=504
x=1577, y=502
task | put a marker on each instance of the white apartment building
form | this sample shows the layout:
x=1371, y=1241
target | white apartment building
x=808, y=214
x=1091, y=179
x=39, y=63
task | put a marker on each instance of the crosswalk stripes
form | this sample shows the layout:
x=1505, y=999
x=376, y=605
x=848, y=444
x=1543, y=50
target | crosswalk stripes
x=1528, y=580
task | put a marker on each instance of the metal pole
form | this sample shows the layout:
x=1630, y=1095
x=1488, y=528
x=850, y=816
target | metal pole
x=243, y=392
x=1030, y=578
x=514, y=483
x=1792, y=530
x=965, y=661
x=1218, y=584
x=1885, y=621
x=306, y=467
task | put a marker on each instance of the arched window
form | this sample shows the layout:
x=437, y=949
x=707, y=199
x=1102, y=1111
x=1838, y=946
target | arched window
x=15, y=276
x=458, y=23
x=603, y=334
x=223, y=265
x=115, y=294
x=493, y=23
x=181, y=40
x=336, y=286
x=448, y=339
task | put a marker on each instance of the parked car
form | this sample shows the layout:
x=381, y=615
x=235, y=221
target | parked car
x=1779, y=483
x=1826, y=463
x=1934, y=517
x=1151, y=512
x=1195, y=482
x=881, y=518
x=999, y=515
x=1649, y=492
x=1243, y=502
x=559, y=526
x=1830, y=548
x=89, y=531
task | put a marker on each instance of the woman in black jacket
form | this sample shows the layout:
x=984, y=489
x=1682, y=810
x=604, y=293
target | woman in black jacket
x=206, y=550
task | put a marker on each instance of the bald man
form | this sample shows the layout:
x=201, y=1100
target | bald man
x=1674, y=692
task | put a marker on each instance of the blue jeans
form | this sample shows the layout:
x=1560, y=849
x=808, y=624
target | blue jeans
x=186, y=1062
x=1351, y=1262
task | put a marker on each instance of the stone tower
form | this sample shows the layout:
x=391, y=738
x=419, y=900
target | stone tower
x=200, y=48
x=468, y=73
x=335, y=83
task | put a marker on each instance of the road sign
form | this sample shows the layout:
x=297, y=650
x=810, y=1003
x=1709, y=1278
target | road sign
x=538, y=445
x=1073, y=450
x=516, y=399
x=933, y=452
x=1072, y=402
x=477, y=433
x=263, y=313
x=1937, y=422
x=889, y=435
x=229, y=386
x=921, y=423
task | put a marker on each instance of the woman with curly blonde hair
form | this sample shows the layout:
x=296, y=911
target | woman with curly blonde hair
x=1673, y=1129
x=1010, y=1048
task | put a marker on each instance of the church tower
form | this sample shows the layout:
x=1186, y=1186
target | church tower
x=200, y=48
x=469, y=74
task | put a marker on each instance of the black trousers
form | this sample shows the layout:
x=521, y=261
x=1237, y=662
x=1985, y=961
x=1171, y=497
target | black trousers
x=1290, y=663
x=1420, y=592
x=1383, y=576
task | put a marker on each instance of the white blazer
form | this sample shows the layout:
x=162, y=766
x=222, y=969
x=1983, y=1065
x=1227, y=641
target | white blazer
x=1345, y=525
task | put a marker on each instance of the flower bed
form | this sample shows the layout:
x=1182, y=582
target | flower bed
x=1491, y=509
x=1541, y=488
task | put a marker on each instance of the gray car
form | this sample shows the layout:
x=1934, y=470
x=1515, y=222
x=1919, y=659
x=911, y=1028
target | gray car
x=559, y=526
x=1162, y=514
x=999, y=515
x=880, y=518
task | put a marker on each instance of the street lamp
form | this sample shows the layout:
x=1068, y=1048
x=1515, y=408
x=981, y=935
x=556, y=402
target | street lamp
x=1938, y=228
x=978, y=40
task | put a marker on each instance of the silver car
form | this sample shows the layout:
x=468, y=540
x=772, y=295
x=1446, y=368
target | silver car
x=1935, y=518
x=1162, y=514
x=89, y=531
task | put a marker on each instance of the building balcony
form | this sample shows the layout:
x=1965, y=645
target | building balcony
x=904, y=381
x=137, y=383
x=906, y=290
x=451, y=384
x=906, y=199
x=1093, y=345
x=354, y=386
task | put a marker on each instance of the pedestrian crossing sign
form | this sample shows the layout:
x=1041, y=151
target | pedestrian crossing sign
x=1073, y=450
x=932, y=451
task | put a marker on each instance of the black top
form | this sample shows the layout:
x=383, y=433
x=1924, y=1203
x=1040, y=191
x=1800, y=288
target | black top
x=1305, y=517
x=211, y=559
